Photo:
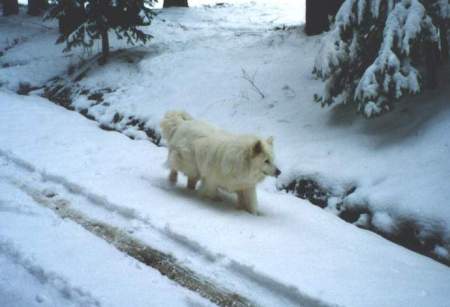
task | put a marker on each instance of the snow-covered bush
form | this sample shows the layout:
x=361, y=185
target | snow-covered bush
x=381, y=50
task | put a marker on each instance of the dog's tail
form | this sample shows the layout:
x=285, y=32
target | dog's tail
x=171, y=121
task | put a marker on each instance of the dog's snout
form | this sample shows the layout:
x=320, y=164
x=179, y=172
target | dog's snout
x=277, y=172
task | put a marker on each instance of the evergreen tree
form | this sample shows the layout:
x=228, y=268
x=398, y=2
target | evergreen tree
x=70, y=18
x=83, y=21
x=440, y=14
x=175, y=3
x=37, y=7
x=381, y=50
x=318, y=13
x=10, y=7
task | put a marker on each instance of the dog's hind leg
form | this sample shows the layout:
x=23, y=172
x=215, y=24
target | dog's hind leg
x=173, y=176
x=171, y=163
x=192, y=182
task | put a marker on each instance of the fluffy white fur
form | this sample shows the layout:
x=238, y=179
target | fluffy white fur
x=180, y=131
x=235, y=163
x=171, y=121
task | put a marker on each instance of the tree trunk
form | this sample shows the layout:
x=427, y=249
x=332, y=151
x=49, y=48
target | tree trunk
x=105, y=47
x=171, y=3
x=10, y=7
x=37, y=7
x=432, y=58
x=443, y=28
x=317, y=15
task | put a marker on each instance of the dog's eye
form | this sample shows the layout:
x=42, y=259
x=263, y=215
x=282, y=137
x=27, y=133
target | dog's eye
x=267, y=161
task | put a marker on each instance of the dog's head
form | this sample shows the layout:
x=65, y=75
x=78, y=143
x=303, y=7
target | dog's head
x=262, y=157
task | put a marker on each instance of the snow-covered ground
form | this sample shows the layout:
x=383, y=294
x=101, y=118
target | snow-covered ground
x=46, y=261
x=292, y=254
x=202, y=60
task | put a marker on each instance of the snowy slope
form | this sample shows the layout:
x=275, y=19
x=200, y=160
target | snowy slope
x=201, y=60
x=299, y=252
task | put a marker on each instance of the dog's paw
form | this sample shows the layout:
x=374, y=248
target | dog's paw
x=244, y=208
x=210, y=196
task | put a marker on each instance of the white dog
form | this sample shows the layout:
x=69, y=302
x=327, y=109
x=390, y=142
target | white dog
x=180, y=131
x=235, y=163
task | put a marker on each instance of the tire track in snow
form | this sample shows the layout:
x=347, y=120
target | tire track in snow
x=64, y=288
x=247, y=277
x=164, y=263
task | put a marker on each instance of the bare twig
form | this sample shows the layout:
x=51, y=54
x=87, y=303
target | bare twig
x=251, y=80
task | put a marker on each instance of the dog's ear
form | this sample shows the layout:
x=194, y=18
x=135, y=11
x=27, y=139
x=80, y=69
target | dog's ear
x=257, y=148
x=270, y=140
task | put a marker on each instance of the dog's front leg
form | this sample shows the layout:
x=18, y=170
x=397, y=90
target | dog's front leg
x=208, y=190
x=247, y=200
